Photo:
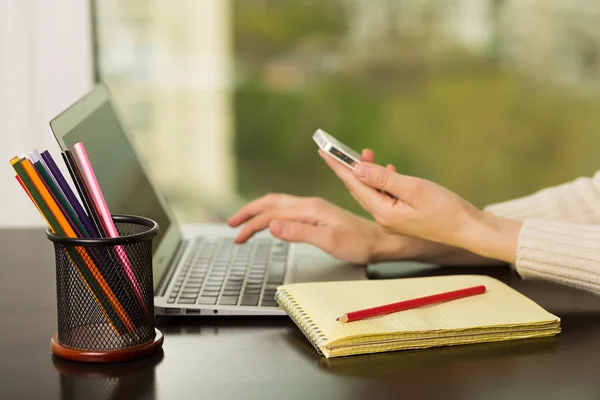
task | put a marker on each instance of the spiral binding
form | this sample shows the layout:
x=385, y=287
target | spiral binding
x=301, y=318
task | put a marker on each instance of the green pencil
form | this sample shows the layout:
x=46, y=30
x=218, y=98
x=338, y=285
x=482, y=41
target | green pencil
x=58, y=194
x=89, y=280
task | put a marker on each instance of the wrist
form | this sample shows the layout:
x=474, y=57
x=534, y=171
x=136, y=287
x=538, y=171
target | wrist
x=386, y=246
x=493, y=237
x=389, y=246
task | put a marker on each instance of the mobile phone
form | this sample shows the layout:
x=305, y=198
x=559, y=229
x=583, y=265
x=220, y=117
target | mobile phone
x=339, y=151
x=336, y=149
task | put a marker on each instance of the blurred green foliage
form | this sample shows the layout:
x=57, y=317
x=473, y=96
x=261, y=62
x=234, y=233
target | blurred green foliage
x=459, y=119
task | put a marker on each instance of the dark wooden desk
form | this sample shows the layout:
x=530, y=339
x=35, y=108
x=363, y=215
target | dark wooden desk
x=260, y=358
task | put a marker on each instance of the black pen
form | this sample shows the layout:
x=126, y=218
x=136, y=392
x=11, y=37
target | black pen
x=83, y=191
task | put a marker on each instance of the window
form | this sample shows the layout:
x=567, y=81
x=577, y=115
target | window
x=491, y=98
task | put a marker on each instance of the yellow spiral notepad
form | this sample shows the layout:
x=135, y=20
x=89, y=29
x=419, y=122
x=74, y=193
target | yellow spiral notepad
x=500, y=314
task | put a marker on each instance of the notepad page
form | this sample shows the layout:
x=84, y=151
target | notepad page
x=500, y=305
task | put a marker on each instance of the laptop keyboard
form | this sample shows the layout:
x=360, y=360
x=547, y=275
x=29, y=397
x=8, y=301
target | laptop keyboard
x=219, y=272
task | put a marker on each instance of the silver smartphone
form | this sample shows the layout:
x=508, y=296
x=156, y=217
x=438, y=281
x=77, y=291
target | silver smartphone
x=339, y=151
x=336, y=149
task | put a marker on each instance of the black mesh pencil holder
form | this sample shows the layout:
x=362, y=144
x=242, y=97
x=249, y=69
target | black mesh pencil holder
x=105, y=296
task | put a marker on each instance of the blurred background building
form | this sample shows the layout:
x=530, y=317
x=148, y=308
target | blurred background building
x=491, y=98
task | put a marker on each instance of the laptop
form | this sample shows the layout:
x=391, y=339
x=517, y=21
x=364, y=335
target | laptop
x=197, y=268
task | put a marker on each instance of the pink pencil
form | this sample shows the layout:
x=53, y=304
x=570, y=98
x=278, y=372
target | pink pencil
x=105, y=216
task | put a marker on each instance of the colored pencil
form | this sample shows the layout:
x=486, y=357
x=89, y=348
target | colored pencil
x=55, y=227
x=410, y=304
x=106, y=216
x=103, y=257
x=68, y=192
x=35, y=156
x=60, y=200
x=39, y=201
x=91, y=276
x=84, y=193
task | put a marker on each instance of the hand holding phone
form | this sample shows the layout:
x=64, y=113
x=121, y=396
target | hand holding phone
x=339, y=151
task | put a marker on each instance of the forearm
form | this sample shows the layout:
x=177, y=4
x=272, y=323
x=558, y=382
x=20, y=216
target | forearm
x=492, y=237
x=557, y=251
x=393, y=247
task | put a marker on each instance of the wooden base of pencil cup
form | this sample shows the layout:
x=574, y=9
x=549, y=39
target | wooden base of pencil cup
x=113, y=356
x=105, y=295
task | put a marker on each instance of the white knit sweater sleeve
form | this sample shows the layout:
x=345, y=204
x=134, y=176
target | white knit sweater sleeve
x=576, y=201
x=562, y=252
x=560, y=237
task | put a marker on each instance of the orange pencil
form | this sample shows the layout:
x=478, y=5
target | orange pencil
x=89, y=281
x=66, y=227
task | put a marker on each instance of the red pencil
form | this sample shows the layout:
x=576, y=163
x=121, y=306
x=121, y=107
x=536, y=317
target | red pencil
x=409, y=304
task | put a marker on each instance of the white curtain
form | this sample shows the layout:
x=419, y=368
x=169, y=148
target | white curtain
x=45, y=64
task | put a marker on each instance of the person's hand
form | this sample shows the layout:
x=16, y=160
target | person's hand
x=426, y=210
x=315, y=221
x=334, y=230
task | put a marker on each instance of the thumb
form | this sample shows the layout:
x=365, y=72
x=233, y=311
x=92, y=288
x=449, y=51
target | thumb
x=387, y=180
x=293, y=231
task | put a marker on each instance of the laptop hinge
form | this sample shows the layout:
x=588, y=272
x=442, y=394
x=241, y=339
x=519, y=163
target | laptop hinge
x=171, y=267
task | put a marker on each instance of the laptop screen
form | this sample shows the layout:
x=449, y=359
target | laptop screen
x=124, y=184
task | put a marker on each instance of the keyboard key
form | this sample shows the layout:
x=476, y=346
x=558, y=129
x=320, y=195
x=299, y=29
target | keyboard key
x=217, y=272
x=171, y=300
x=228, y=300
x=276, y=273
x=249, y=300
x=187, y=301
x=231, y=292
x=211, y=293
x=188, y=295
x=207, y=300
x=250, y=285
x=269, y=303
x=192, y=286
x=252, y=291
